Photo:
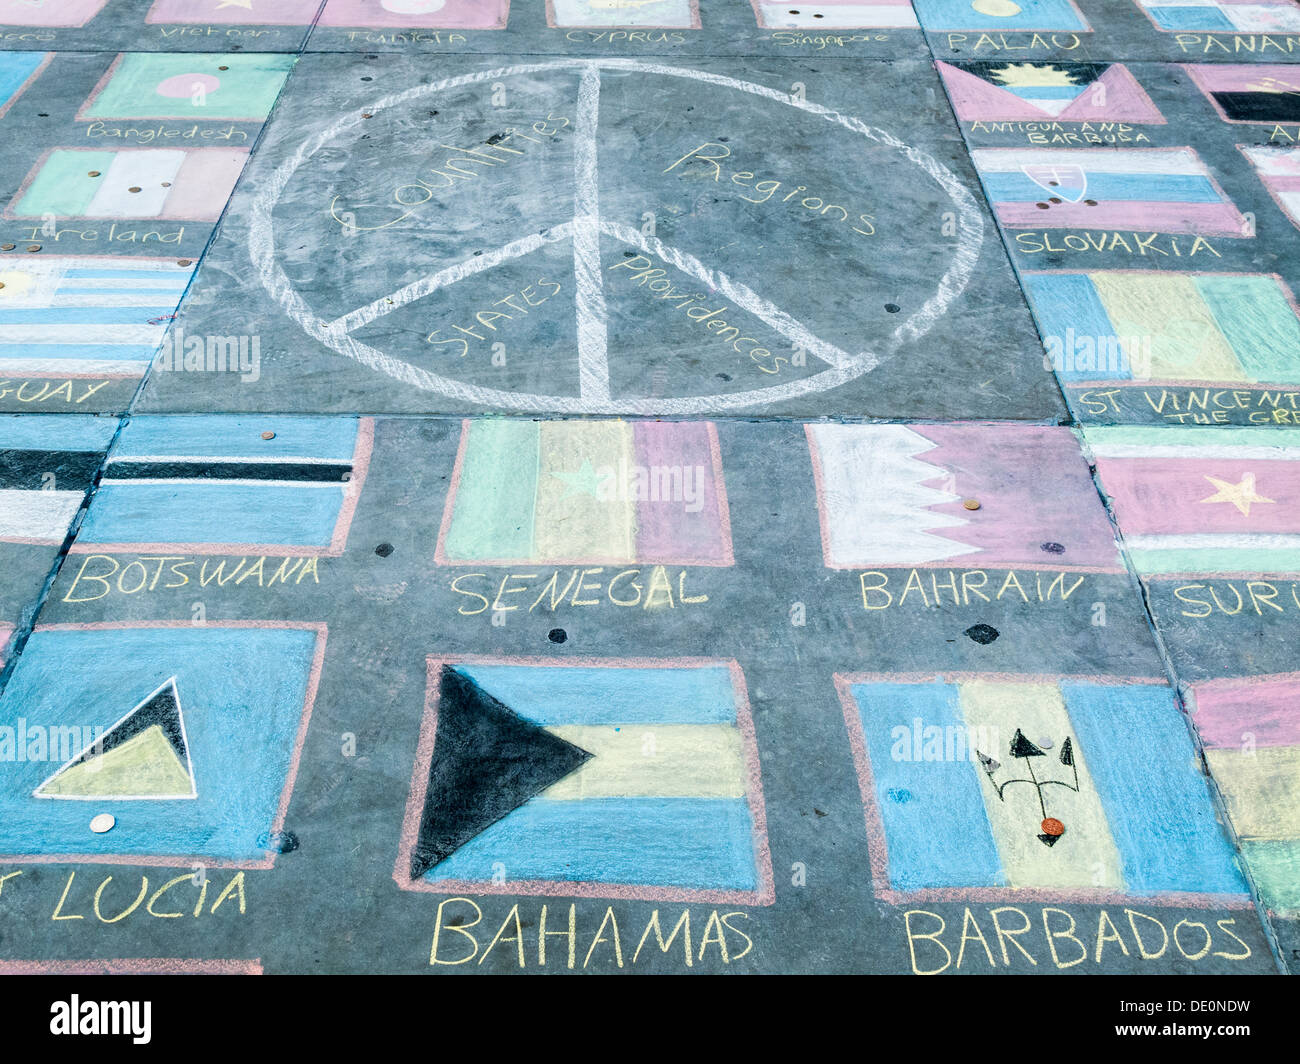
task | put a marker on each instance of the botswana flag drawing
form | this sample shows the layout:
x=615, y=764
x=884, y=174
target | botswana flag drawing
x=992, y=91
x=48, y=463
x=1249, y=92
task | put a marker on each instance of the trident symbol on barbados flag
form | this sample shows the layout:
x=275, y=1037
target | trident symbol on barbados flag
x=1051, y=828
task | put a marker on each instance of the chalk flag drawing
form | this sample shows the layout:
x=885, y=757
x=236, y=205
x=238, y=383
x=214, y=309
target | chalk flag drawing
x=596, y=491
x=1165, y=189
x=1158, y=325
x=1207, y=16
x=97, y=717
x=1003, y=91
x=417, y=14
x=1249, y=92
x=893, y=495
x=48, y=463
x=979, y=785
x=541, y=768
x=70, y=317
x=210, y=484
x=164, y=183
x=1191, y=501
x=238, y=88
x=1279, y=169
x=52, y=13
x=1250, y=728
x=1046, y=15
x=236, y=12
x=837, y=15
x=665, y=14
x=17, y=72
x=133, y=966
x=6, y=634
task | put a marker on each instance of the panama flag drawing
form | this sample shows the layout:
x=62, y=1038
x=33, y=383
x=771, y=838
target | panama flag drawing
x=238, y=88
x=1192, y=501
x=993, y=91
x=52, y=13
x=1241, y=16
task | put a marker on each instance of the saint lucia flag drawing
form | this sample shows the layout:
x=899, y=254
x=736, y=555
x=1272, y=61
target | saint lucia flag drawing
x=976, y=786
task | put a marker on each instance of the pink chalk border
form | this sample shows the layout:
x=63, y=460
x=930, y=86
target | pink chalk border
x=720, y=489
x=551, y=21
x=877, y=847
x=133, y=966
x=764, y=895
x=295, y=759
x=1142, y=92
x=49, y=57
x=1268, y=186
x=823, y=518
x=102, y=84
x=338, y=541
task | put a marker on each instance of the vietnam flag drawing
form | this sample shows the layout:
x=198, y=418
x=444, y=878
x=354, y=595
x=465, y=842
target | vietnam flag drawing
x=236, y=12
x=1203, y=500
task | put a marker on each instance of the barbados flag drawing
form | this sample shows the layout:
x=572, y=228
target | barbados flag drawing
x=1249, y=92
x=64, y=316
x=676, y=14
x=1046, y=15
x=1078, y=788
x=417, y=14
x=837, y=15
x=236, y=12
x=1240, y=16
x=621, y=779
x=49, y=13
x=1279, y=170
x=1250, y=728
x=1164, y=189
x=991, y=91
x=1190, y=500
x=237, y=88
x=1158, y=325
x=165, y=183
x=214, y=484
x=895, y=495
x=48, y=463
x=586, y=491
x=17, y=72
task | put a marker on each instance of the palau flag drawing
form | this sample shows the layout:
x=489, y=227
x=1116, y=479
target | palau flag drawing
x=894, y=494
x=597, y=491
x=1251, y=731
x=992, y=91
x=837, y=15
x=1164, y=189
x=52, y=13
x=1189, y=501
x=1078, y=789
x=649, y=14
x=237, y=88
x=238, y=12
x=189, y=737
x=17, y=72
x=1158, y=325
x=69, y=317
x=1239, y=16
x=417, y=14
x=48, y=463
x=992, y=15
x=213, y=484
x=1249, y=92
x=621, y=779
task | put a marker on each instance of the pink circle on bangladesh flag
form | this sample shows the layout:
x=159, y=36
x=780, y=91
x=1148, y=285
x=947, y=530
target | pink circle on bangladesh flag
x=183, y=85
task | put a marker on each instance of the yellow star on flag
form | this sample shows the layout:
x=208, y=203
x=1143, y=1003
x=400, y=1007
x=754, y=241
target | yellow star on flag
x=1241, y=495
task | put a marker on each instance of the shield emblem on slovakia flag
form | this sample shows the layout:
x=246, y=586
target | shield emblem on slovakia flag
x=1067, y=182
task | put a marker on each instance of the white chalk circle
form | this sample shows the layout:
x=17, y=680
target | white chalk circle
x=103, y=823
x=585, y=231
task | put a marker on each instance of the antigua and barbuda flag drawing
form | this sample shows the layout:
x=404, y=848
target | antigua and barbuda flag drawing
x=48, y=463
x=894, y=495
x=1162, y=325
x=598, y=778
x=993, y=91
x=1249, y=92
x=60, y=14
x=1279, y=170
x=17, y=72
x=1229, y=16
x=68, y=317
x=992, y=15
x=160, y=85
x=417, y=14
x=189, y=737
x=171, y=184
x=1168, y=190
x=213, y=484
x=837, y=15
x=575, y=492
x=1193, y=500
x=663, y=14
x=235, y=12
x=1077, y=788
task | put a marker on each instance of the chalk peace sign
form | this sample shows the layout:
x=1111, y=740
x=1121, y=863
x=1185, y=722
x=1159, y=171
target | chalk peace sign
x=701, y=291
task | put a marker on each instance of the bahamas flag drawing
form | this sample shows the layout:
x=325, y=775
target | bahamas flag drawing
x=17, y=71
x=586, y=491
x=1087, y=788
x=993, y=91
x=1189, y=500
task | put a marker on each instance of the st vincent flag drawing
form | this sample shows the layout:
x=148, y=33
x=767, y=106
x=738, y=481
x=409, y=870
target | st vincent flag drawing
x=17, y=71
x=1199, y=500
x=48, y=462
x=237, y=12
x=1159, y=325
x=240, y=88
x=1279, y=169
x=621, y=779
x=587, y=491
x=165, y=183
x=950, y=770
x=893, y=495
x=1250, y=727
x=1164, y=189
x=1241, y=16
x=1254, y=92
x=993, y=91
x=51, y=13
x=417, y=14
x=838, y=15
